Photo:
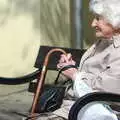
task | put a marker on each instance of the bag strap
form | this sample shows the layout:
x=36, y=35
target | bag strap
x=63, y=69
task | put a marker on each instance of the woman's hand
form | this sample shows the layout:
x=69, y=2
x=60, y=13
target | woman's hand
x=64, y=61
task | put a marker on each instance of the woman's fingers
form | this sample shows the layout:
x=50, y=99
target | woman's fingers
x=65, y=58
x=62, y=64
x=69, y=56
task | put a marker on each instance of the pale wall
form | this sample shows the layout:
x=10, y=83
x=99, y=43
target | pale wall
x=55, y=22
x=27, y=24
x=19, y=36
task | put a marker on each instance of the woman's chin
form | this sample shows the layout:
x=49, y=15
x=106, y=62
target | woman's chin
x=98, y=35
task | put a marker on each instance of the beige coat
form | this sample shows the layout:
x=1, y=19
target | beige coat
x=100, y=66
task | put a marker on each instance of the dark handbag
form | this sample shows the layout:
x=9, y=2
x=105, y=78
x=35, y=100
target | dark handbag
x=52, y=95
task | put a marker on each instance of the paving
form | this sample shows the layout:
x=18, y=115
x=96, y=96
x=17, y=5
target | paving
x=15, y=101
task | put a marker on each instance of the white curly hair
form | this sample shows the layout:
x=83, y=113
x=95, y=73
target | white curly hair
x=109, y=9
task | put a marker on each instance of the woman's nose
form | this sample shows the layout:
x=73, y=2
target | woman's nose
x=94, y=23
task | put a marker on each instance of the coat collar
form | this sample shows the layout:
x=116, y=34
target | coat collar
x=116, y=41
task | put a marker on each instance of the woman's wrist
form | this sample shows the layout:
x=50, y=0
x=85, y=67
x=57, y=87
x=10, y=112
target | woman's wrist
x=73, y=77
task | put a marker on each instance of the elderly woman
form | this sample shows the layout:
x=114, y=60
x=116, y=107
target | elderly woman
x=99, y=68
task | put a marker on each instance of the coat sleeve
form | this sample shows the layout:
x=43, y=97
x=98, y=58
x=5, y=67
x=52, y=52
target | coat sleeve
x=108, y=80
x=80, y=87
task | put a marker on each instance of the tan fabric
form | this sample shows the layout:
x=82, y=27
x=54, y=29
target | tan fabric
x=101, y=65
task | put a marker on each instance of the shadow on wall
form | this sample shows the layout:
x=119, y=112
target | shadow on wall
x=55, y=22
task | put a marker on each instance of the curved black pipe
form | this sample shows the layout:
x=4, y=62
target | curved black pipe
x=91, y=97
x=19, y=80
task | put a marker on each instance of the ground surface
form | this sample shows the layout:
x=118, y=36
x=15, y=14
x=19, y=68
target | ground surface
x=14, y=101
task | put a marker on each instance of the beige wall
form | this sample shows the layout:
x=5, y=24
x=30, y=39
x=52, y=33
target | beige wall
x=27, y=24
x=19, y=36
x=88, y=33
x=55, y=22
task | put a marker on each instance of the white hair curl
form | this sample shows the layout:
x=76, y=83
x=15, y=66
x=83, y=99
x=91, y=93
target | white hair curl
x=109, y=9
